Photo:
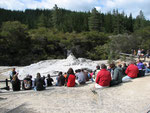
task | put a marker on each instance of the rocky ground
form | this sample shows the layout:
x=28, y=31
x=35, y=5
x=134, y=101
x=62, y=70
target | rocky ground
x=131, y=97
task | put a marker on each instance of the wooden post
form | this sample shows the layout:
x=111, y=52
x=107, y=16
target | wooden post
x=7, y=87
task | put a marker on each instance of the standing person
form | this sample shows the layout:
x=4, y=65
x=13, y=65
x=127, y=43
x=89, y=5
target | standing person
x=143, y=54
x=38, y=83
x=49, y=80
x=80, y=77
x=71, y=78
x=139, y=53
x=134, y=52
x=15, y=83
x=103, y=77
x=12, y=73
x=131, y=71
x=148, y=53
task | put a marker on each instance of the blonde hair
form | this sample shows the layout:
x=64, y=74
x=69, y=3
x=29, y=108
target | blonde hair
x=15, y=77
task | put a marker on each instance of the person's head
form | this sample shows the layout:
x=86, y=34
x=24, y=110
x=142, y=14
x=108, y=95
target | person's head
x=82, y=70
x=48, y=76
x=124, y=64
x=145, y=64
x=120, y=65
x=103, y=66
x=97, y=67
x=79, y=70
x=60, y=73
x=139, y=61
x=131, y=62
x=31, y=76
x=38, y=75
x=43, y=77
x=112, y=66
x=70, y=71
x=76, y=71
x=14, y=69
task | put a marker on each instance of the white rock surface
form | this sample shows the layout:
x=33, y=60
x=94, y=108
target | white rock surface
x=54, y=66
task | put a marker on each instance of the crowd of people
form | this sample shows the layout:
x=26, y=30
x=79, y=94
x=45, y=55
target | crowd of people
x=141, y=53
x=103, y=76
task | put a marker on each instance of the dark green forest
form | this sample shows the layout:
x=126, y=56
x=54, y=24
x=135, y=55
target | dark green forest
x=32, y=35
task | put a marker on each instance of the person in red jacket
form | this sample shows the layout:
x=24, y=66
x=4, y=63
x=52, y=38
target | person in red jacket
x=103, y=77
x=131, y=71
x=70, y=78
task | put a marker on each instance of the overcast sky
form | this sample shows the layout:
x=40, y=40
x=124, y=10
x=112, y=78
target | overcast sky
x=128, y=6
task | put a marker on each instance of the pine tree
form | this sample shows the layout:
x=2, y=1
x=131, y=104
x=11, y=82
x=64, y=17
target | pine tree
x=41, y=21
x=122, y=23
x=139, y=21
x=130, y=23
x=116, y=21
x=108, y=23
x=55, y=16
x=94, y=20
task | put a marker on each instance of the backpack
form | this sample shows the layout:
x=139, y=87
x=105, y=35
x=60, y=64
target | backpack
x=27, y=84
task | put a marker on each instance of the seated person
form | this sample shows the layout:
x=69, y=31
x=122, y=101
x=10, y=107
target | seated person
x=86, y=75
x=15, y=83
x=39, y=83
x=60, y=80
x=148, y=68
x=131, y=71
x=44, y=81
x=103, y=77
x=96, y=72
x=65, y=75
x=27, y=83
x=124, y=68
x=49, y=80
x=70, y=78
x=117, y=75
x=80, y=77
x=141, y=68
x=90, y=75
